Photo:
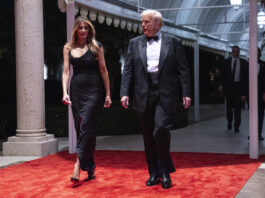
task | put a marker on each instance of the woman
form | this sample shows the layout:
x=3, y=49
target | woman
x=90, y=76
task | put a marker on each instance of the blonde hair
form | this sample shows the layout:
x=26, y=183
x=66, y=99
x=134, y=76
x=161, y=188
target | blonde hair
x=91, y=41
x=157, y=15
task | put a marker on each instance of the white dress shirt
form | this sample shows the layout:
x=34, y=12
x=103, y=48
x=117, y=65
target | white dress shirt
x=153, y=53
x=237, y=72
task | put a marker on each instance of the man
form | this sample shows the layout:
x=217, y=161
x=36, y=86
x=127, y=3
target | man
x=261, y=93
x=154, y=70
x=234, y=84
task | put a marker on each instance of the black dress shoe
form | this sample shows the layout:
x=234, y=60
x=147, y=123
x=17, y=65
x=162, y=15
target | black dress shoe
x=166, y=181
x=260, y=138
x=229, y=126
x=237, y=130
x=91, y=174
x=153, y=180
x=74, y=180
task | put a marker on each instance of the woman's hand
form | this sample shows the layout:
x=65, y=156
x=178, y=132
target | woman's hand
x=108, y=102
x=66, y=100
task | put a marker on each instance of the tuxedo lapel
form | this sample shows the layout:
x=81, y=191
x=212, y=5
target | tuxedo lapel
x=142, y=43
x=165, y=45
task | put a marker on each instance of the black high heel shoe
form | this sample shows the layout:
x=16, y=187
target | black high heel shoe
x=75, y=179
x=91, y=174
x=75, y=182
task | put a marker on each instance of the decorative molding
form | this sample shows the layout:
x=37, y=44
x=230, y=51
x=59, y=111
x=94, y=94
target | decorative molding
x=140, y=29
x=130, y=20
x=69, y=1
x=129, y=26
x=135, y=27
x=76, y=9
x=83, y=11
x=123, y=24
x=93, y=15
x=108, y=20
x=101, y=18
x=116, y=22
x=62, y=4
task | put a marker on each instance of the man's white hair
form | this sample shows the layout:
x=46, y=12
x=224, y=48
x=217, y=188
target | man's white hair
x=157, y=15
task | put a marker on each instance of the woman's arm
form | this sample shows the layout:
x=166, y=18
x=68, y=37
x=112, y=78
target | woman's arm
x=66, y=76
x=105, y=76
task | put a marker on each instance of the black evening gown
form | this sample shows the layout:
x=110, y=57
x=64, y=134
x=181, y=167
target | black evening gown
x=87, y=96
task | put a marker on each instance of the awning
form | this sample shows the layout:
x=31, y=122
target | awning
x=126, y=16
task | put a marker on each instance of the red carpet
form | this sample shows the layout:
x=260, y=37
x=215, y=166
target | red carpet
x=123, y=174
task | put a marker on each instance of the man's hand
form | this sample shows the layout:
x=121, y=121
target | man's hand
x=186, y=102
x=125, y=101
x=244, y=98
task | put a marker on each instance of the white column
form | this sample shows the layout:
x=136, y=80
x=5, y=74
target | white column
x=196, y=81
x=253, y=95
x=70, y=18
x=31, y=137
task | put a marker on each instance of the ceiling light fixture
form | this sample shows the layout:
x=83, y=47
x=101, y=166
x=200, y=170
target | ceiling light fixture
x=261, y=19
x=236, y=3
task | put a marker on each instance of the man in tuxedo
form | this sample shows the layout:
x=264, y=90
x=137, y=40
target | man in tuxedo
x=155, y=74
x=261, y=93
x=234, y=84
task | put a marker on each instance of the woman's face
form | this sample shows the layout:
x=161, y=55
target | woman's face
x=82, y=31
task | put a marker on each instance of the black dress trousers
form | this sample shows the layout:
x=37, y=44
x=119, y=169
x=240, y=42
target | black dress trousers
x=156, y=124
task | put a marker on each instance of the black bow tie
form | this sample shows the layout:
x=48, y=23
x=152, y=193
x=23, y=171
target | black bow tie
x=152, y=37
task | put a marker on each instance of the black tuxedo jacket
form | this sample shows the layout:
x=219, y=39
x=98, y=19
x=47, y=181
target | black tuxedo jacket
x=173, y=74
x=227, y=77
x=261, y=78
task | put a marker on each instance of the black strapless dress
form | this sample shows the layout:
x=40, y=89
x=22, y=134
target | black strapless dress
x=87, y=96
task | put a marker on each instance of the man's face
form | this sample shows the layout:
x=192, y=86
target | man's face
x=235, y=52
x=149, y=25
